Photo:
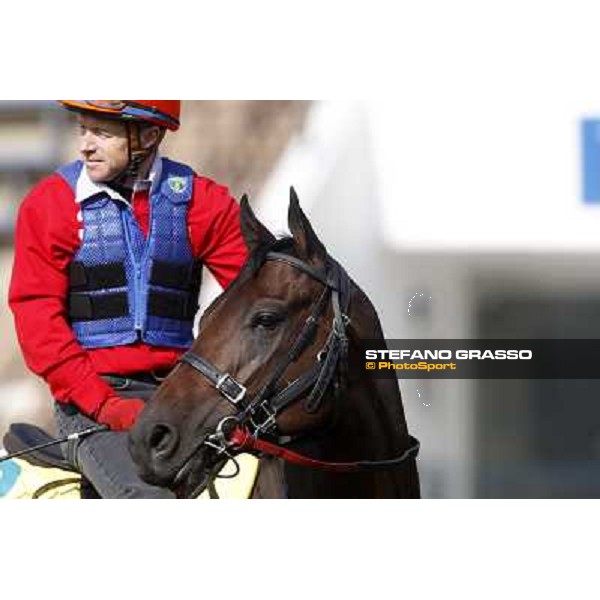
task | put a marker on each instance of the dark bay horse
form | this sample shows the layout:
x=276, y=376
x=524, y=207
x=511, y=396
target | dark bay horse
x=277, y=368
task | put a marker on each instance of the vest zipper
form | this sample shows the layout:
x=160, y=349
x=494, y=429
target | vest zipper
x=137, y=325
x=138, y=301
x=145, y=254
x=140, y=312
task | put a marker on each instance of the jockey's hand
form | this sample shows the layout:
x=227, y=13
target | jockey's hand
x=120, y=414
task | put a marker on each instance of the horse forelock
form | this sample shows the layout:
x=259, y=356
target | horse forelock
x=252, y=265
x=257, y=258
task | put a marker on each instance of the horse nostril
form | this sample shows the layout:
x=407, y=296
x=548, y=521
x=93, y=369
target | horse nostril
x=163, y=440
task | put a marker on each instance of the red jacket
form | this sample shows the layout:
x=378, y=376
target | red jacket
x=46, y=239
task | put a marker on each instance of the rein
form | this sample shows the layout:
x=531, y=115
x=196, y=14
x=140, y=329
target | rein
x=257, y=416
x=240, y=439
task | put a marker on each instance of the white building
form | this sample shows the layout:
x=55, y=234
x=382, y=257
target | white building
x=458, y=225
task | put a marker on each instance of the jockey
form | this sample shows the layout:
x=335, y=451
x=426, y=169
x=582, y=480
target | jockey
x=106, y=276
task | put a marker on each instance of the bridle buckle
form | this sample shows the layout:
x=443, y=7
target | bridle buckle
x=231, y=389
x=268, y=423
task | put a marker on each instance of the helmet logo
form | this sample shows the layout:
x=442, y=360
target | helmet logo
x=177, y=184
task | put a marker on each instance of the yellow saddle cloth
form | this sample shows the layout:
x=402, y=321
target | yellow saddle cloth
x=22, y=480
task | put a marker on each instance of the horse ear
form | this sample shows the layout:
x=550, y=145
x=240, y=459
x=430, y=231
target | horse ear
x=305, y=238
x=254, y=232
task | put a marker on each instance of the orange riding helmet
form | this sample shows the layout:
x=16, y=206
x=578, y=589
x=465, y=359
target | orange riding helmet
x=159, y=112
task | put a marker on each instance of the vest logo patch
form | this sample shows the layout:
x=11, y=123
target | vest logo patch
x=177, y=184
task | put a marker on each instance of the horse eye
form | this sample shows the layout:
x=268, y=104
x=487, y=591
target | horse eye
x=266, y=320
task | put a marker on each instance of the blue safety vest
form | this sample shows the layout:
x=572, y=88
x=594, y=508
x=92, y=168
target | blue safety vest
x=124, y=287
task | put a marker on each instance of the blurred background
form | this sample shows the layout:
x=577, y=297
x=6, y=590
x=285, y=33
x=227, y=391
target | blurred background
x=455, y=224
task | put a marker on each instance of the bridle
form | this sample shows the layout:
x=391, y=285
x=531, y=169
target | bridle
x=256, y=417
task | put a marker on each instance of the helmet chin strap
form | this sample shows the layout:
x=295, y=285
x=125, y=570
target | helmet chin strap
x=137, y=154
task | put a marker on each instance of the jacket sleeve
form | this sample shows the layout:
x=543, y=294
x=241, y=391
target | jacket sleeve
x=46, y=239
x=214, y=223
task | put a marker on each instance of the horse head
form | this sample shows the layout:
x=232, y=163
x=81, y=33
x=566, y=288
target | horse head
x=272, y=357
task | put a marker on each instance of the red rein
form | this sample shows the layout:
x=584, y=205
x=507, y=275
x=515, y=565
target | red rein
x=242, y=439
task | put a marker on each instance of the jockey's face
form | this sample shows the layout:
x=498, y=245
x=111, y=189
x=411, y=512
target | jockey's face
x=103, y=145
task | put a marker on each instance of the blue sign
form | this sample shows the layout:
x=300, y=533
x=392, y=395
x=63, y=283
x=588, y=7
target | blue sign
x=590, y=138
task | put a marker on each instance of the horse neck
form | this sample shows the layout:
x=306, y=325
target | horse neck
x=370, y=425
x=376, y=402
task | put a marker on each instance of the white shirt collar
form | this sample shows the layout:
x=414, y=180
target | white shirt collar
x=86, y=188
